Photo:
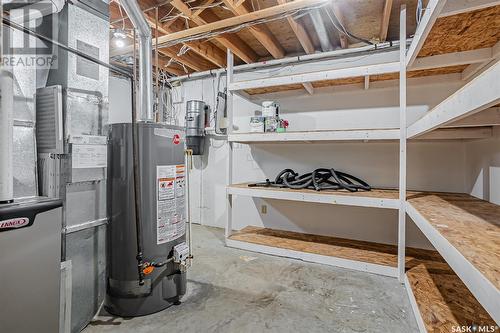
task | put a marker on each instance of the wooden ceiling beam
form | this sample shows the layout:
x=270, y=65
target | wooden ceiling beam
x=304, y=40
x=206, y=50
x=185, y=59
x=232, y=42
x=198, y=11
x=260, y=32
x=163, y=64
x=301, y=33
x=237, y=20
x=384, y=24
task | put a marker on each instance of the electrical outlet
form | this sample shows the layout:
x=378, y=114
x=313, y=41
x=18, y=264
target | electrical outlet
x=263, y=209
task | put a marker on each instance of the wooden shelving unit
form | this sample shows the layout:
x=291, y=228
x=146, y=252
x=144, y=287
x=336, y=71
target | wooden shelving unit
x=461, y=288
x=377, y=198
x=466, y=232
x=373, y=64
x=477, y=95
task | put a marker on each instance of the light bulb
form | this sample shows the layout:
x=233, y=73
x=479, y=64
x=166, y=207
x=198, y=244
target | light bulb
x=119, y=42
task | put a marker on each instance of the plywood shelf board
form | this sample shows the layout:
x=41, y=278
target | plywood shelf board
x=369, y=252
x=471, y=225
x=465, y=230
x=374, y=193
x=441, y=298
x=324, y=245
x=378, y=198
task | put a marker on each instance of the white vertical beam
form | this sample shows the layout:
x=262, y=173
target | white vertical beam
x=367, y=82
x=402, y=146
x=229, y=180
x=431, y=13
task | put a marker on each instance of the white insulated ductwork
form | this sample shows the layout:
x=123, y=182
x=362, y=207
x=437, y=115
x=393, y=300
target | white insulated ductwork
x=320, y=28
x=6, y=126
x=145, y=98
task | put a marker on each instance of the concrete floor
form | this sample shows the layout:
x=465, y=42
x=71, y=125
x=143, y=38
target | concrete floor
x=238, y=291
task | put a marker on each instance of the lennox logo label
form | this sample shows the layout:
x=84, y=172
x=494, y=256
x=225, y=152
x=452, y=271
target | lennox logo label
x=14, y=223
x=177, y=139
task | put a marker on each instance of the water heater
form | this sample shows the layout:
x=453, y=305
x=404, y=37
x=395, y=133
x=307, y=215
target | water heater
x=162, y=202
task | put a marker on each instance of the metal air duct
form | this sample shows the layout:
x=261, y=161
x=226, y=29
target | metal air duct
x=143, y=29
x=321, y=31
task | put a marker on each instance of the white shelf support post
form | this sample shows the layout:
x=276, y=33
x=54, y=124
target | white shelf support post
x=402, y=146
x=229, y=130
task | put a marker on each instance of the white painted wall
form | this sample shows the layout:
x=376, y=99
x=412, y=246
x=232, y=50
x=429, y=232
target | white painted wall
x=483, y=169
x=436, y=166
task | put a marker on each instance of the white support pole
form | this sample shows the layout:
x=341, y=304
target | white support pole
x=402, y=146
x=229, y=180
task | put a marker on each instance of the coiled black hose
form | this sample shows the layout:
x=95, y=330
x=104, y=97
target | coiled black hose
x=319, y=179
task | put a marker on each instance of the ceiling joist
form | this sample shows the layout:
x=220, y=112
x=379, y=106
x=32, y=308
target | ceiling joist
x=300, y=32
x=260, y=32
x=386, y=15
x=205, y=18
x=241, y=19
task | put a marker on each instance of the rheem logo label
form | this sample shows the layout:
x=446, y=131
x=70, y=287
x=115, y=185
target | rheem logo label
x=14, y=223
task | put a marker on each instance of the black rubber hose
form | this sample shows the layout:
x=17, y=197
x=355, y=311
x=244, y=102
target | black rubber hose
x=279, y=180
x=342, y=183
x=319, y=179
x=361, y=184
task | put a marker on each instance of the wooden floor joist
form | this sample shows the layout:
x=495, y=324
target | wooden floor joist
x=207, y=17
x=300, y=32
x=386, y=16
x=237, y=20
x=206, y=50
x=260, y=32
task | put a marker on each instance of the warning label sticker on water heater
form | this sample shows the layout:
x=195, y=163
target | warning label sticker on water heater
x=170, y=206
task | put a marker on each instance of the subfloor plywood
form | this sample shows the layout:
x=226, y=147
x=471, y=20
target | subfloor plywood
x=469, y=224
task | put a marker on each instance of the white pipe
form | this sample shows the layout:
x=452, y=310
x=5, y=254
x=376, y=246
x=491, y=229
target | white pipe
x=145, y=99
x=36, y=10
x=289, y=60
x=6, y=126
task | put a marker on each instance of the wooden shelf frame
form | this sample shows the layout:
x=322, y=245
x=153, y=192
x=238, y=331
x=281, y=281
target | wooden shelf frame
x=317, y=136
x=377, y=198
x=373, y=64
x=480, y=93
x=463, y=230
x=361, y=256
x=477, y=95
